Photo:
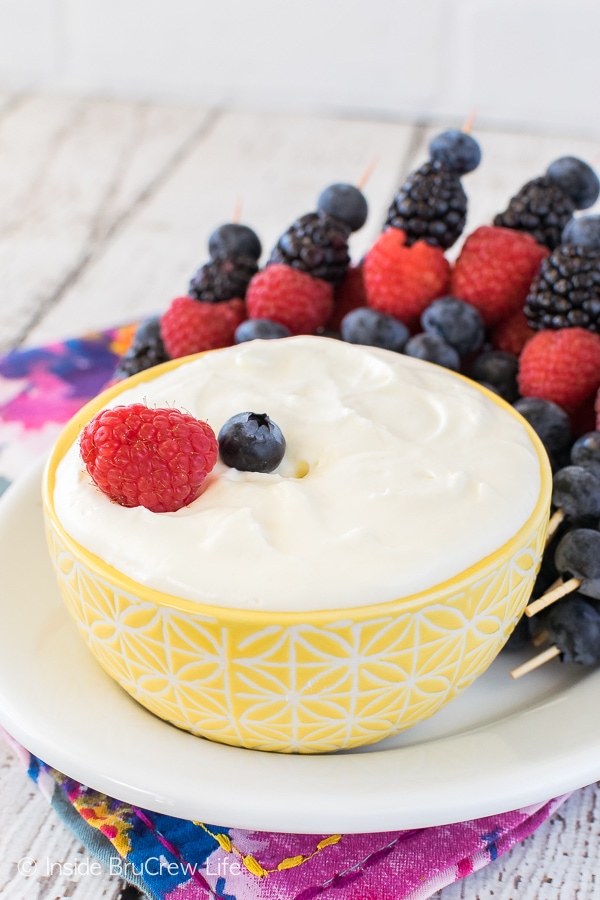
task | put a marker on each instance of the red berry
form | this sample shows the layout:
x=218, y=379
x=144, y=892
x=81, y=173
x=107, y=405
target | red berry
x=157, y=458
x=402, y=281
x=191, y=326
x=349, y=294
x=512, y=334
x=293, y=298
x=494, y=271
x=562, y=366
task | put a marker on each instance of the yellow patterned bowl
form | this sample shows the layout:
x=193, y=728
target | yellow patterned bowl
x=294, y=681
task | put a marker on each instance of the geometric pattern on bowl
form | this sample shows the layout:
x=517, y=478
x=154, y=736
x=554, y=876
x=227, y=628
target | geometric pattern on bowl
x=331, y=681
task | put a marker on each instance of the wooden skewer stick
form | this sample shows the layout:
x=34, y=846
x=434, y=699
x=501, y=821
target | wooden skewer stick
x=237, y=211
x=566, y=587
x=555, y=520
x=535, y=662
x=367, y=173
x=470, y=121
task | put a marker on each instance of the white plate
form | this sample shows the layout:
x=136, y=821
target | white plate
x=501, y=745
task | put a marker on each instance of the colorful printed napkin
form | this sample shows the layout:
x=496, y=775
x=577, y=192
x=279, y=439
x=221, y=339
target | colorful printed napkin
x=174, y=859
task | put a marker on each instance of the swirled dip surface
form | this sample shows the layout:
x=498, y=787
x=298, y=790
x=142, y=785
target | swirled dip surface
x=397, y=476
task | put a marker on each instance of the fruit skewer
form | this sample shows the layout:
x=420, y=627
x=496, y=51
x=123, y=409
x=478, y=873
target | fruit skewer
x=573, y=627
x=577, y=553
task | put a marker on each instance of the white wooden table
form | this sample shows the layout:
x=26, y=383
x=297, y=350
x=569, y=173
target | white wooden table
x=105, y=210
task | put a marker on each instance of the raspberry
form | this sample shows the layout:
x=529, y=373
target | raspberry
x=349, y=295
x=190, y=326
x=562, y=366
x=512, y=334
x=402, y=281
x=293, y=298
x=156, y=458
x=494, y=271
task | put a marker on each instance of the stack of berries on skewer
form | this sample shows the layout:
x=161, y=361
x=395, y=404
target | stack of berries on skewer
x=517, y=309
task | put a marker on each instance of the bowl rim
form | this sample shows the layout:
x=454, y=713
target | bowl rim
x=537, y=520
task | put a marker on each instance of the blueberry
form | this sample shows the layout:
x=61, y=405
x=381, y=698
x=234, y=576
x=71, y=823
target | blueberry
x=456, y=322
x=578, y=555
x=375, y=329
x=586, y=450
x=583, y=231
x=261, y=329
x=433, y=349
x=251, y=442
x=498, y=368
x=577, y=179
x=576, y=490
x=548, y=420
x=457, y=150
x=233, y=240
x=346, y=203
x=573, y=626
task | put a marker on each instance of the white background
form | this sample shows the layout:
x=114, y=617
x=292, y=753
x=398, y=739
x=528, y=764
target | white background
x=520, y=63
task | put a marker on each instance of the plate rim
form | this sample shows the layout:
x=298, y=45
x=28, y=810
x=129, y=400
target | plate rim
x=430, y=783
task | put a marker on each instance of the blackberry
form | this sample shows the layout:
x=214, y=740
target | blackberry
x=431, y=206
x=541, y=208
x=147, y=350
x=222, y=279
x=316, y=243
x=566, y=291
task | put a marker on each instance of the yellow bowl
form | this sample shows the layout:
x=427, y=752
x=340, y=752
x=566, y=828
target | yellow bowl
x=294, y=681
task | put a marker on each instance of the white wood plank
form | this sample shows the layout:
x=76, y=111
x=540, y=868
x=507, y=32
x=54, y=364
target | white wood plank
x=274, y=166
x=69, y=172
x=559, y=862
x=30, y=830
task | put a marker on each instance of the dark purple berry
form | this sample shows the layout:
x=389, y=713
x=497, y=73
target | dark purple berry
x=457, y=150
x=551, y=423
x=586, y=450
x=578, y=555
x=583, y=232
x=520, y=636
x=259, y=329
x=573, y=626
x=147, y=350
x=576, y=490
x=433, y=349
x=577, y=179
x=233, y=240
x=375, y=329
x=251, y=442
x=497, y=368
x=456, y=322
x=346, y=203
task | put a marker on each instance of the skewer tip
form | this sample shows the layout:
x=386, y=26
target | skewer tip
x=535, y=662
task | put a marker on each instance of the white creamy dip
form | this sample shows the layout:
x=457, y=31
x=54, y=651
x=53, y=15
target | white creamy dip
x=397, y=475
